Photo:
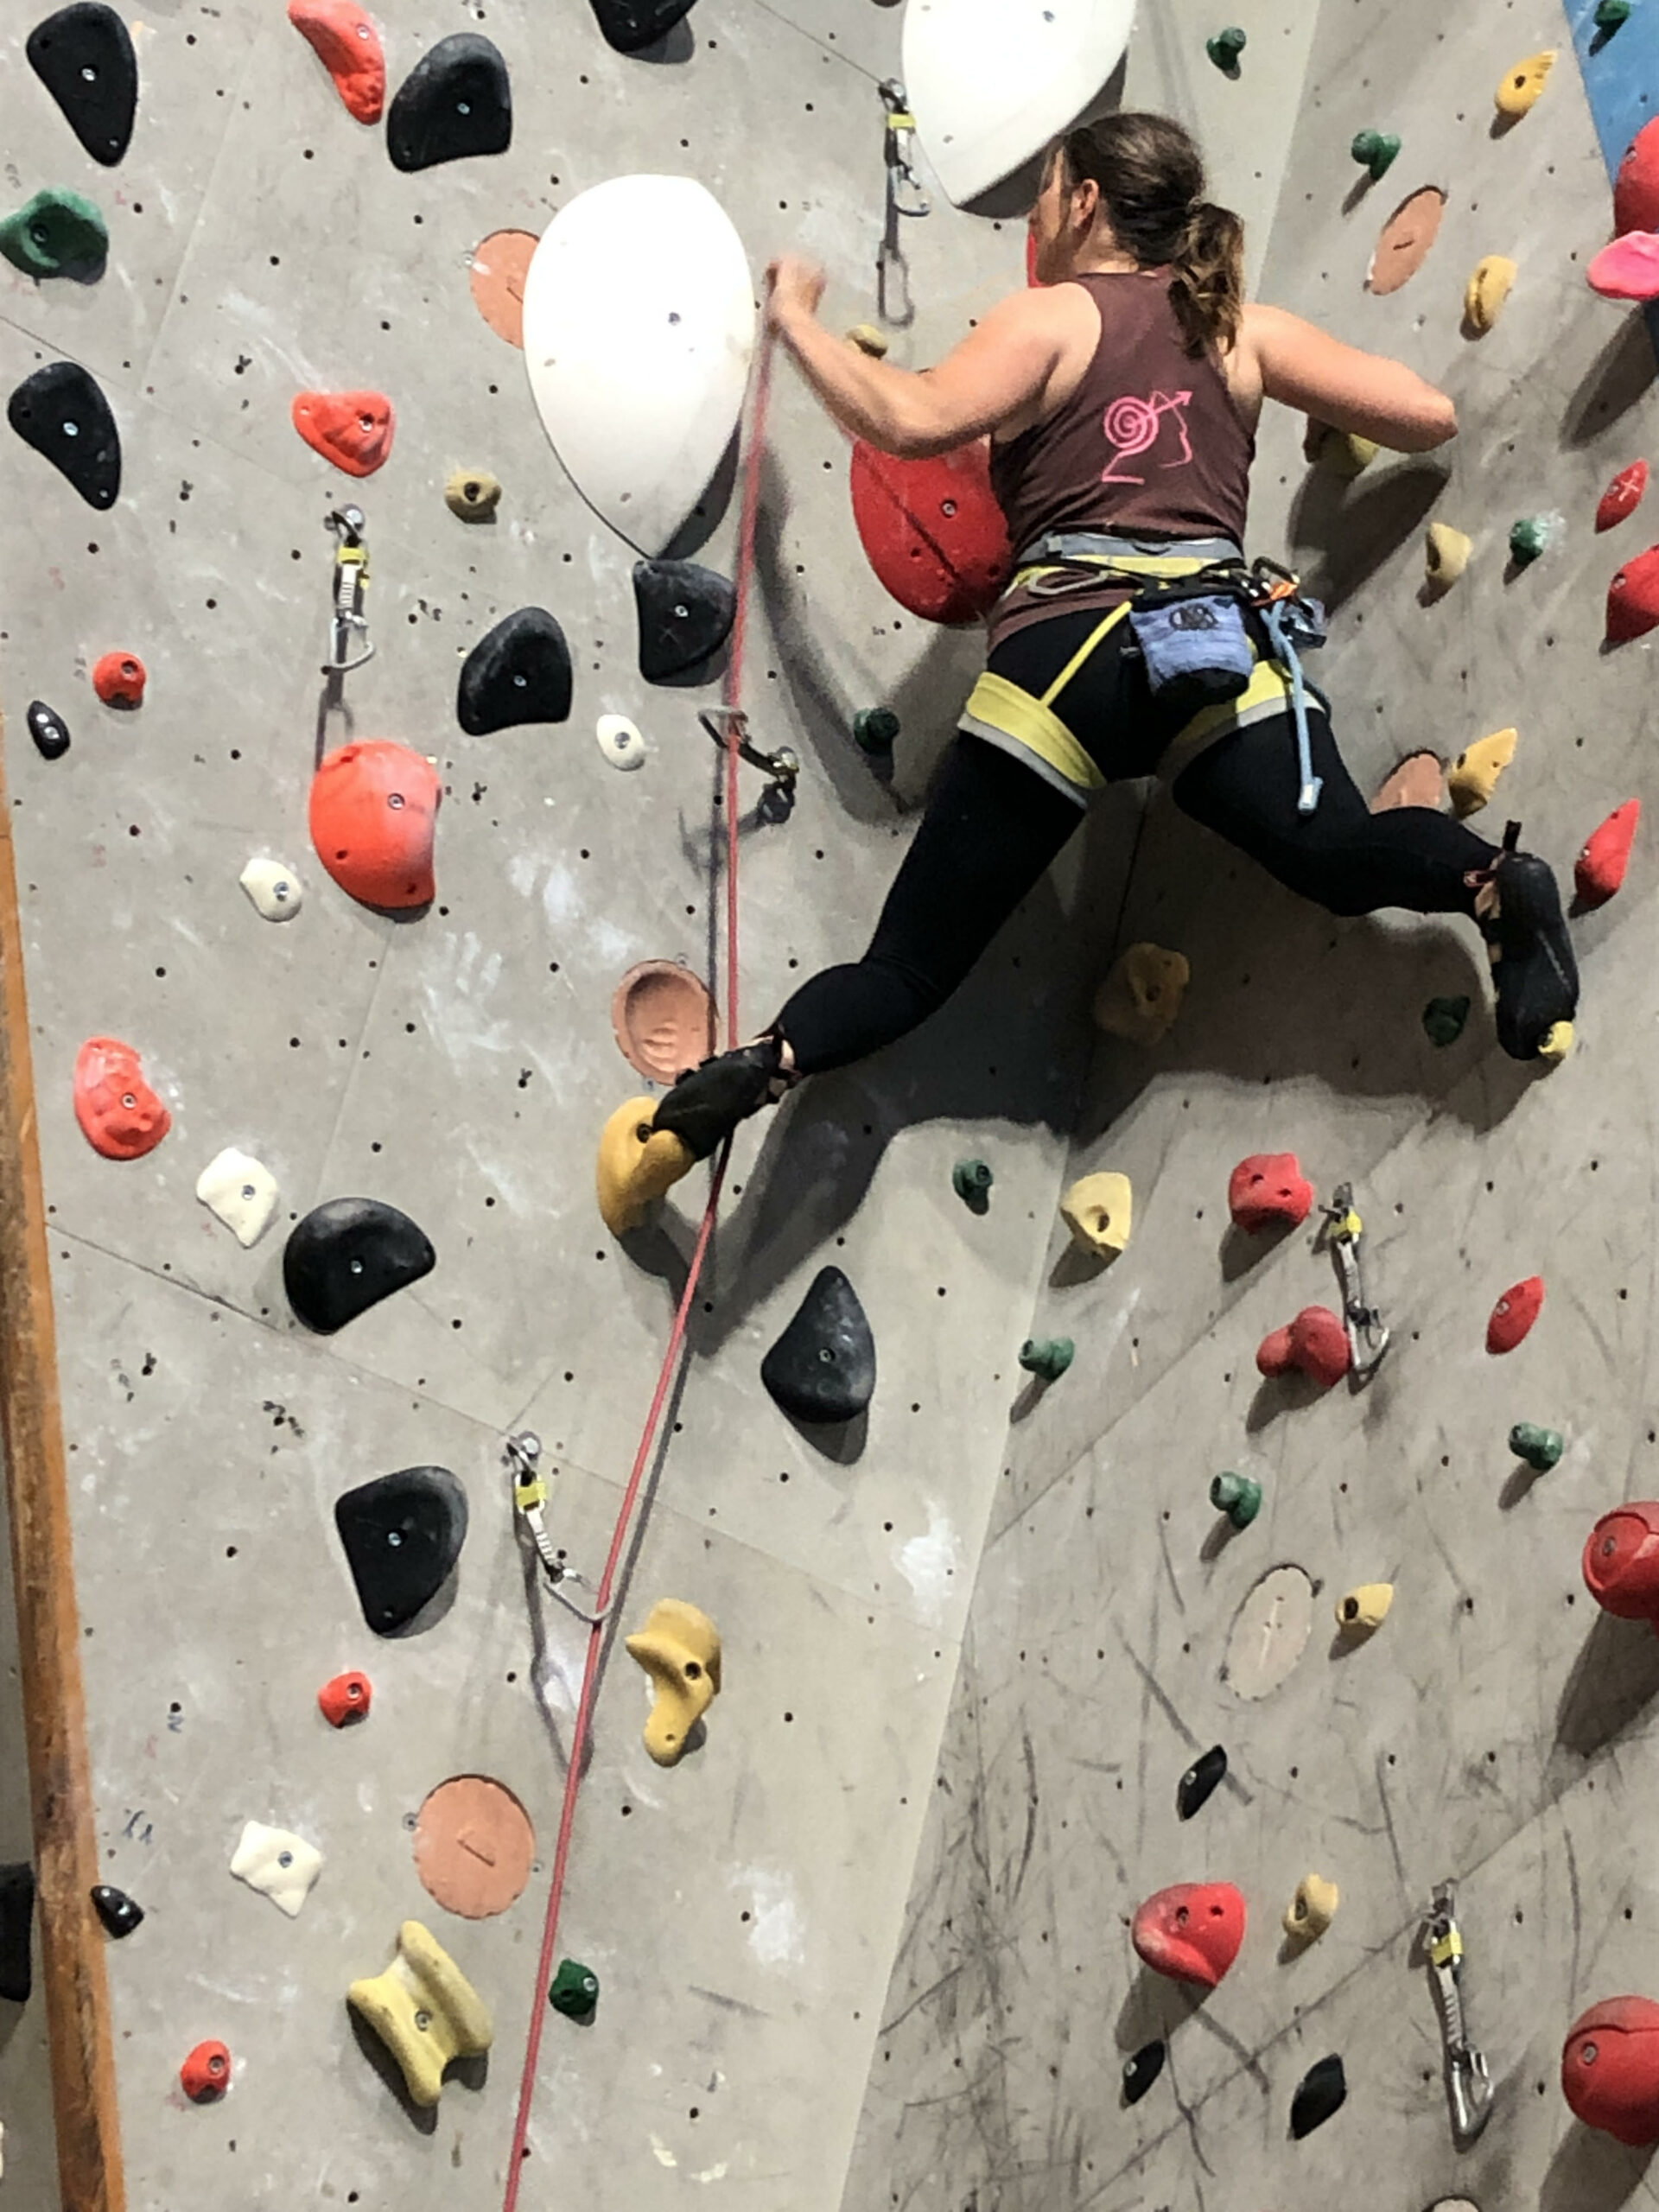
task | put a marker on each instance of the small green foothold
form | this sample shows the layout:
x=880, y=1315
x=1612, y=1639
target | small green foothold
x=972, y=1180
x=1540, y=1447
x=1239, y=1497
x=1224, y=48
x=1528, y=538
x=875, y=729
x=576, y=1990
x=1047, y=1356
x=1444, y=1020
x=56, y=231
x=1610, y=14
x=1377, y=150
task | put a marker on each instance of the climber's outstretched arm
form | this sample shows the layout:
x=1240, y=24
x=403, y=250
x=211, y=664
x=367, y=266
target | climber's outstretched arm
x=1366, y=394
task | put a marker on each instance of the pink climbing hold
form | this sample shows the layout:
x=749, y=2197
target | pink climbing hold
x=1636, y=188
x=1628, y=268
x=1514, y=1314
x=1623, y=496
x=1315, y=1344
x=348, y=47
x=119, y=1115
x=1633, y=599
x=1190, y=1932
x=1600, y=866
x=352, y=429
x=1269, y=1191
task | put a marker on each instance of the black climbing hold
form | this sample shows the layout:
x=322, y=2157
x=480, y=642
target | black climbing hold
x=1142, y=2071
x=685, y=616
x=62, y=413
x=1199, y=1780
x=402, y=1534
x=456, y=101
x=823, y=1367
x=519, y=672
x=346, y=1255
x=17, y=1911
x=84, y=58
x=628, y=25
x=116, y=1910
x=1323, y=2090
x=48, y=730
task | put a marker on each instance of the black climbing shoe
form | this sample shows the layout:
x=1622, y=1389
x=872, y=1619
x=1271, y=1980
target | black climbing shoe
x=1533, y=972
x=708, y=1101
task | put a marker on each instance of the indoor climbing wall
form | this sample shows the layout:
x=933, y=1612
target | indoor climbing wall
x=1491, y=1727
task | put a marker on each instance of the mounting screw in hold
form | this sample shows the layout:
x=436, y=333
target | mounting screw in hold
x=574, y=1990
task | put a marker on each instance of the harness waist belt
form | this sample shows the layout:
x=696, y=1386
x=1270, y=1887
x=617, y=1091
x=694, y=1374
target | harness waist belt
x=1104, y=546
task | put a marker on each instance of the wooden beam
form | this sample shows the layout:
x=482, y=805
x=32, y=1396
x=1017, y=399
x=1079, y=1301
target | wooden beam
x=90, y=2176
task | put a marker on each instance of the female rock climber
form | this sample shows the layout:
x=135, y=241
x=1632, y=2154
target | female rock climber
x=1121, y=397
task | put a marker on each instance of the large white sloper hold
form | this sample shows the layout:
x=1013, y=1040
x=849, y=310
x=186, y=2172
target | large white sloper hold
x=281, y=1867
x=991, y=82
x=638, y=326
x=241, y=1191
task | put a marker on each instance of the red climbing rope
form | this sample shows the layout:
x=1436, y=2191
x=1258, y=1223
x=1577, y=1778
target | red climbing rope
x=734, y=688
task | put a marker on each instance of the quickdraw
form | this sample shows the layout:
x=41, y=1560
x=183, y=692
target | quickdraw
x=1368, y=1338
x=531, y=1493
x=905, y=199
x=350, y=582
x=1468, y=2078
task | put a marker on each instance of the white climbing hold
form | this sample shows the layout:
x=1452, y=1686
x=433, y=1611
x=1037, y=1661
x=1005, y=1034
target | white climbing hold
x=241, y=1191
x=274, y=889
x=281, y=1867
x=619, y=741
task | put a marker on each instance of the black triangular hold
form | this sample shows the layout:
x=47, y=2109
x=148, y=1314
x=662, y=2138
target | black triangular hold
x=1323, y=2090
x=454, y=102
x=402, y=1534
x=17, y=1911
x=62, y=413
x=116, y=1910
x=1142, y=2071
x=1200, y=1778
x=346, y=1255
x=48, y=729
x=628, y=25
x=84, y=58
x=823, y=1367
x=520, y=672
x=685, y=616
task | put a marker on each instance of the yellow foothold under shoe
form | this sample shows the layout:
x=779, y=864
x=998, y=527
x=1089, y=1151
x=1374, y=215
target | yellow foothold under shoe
x=1141, y=996
x=425, y=2011
x=1557, y=1043
x=1521, y=85
x=1313, y=1909
x=1098, y=1210
x=1366, y=1608
x=1339, y=453
x=679, y=1648
x=1488, y=288
x=637, y=1165
x=1472, y=777
x=1445, y=555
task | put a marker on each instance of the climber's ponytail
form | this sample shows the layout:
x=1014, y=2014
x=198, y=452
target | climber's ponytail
x=1206, y=286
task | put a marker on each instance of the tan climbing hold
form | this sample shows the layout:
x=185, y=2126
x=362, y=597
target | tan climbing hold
x=425, y=2011
x=1339, y=453
x=473, y=494
x=274, y=889
x=637, y=1165
x=1098, y=1210
x=1141, y=996
x=1366, y=1608
x=474, y=1846
x=1313, y=1909
x=1447, y=555
x=281, y=1867
x=679, y=1648
x=1472, y=777
x=1521, y=85
x=1403, y=243
x=500, y=264
x=1488, y=288
x=1557, y=1043
x=868, y=340
x=620, y=741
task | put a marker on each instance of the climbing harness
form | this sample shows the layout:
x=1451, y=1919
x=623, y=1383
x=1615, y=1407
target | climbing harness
x=1368, y=1338
x=904, y=198
x=1468, y=2080
x=350, y=582
x=531, y=1493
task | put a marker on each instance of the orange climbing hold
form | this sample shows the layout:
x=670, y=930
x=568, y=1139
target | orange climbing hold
x=1633, y=599
x=1315, y=1344
x=1190, y=1932
x=1600, y=866
x=1623, y=496
x=1514, y=1314
x=119, y=1115
x=1636, y=188
x=348, y=47
x=351, y=429
x=205, y=2072
x=347, y=1697
x=118, y=679
x=932, y=529
x=1269, y=1191
x=374, y=811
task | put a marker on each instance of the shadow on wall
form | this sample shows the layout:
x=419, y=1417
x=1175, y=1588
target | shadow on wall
x=1614, y=1680
x=1590, y=2173
x=1621, y=374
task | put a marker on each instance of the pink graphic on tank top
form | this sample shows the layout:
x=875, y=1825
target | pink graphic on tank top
x=1136, y=426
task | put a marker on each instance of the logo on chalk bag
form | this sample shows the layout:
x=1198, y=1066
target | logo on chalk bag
x=1136, y=426
x=1195, y=614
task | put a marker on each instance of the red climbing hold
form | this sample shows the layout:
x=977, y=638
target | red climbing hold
x=1623, y=496
x=347, y=1698
x=1633, y=599
x=1628, y=268
x=374, y=810
x=932, y=529
x=1621, y=1561
x=1610, y=2068
x=205, y=2072
x=1190, y=1932
x=1514, y=1314
x=1636, y=188
x=348, y=47
x=352, y=429
x=1314, y=1345
x=120, y=1115
x=1269, y=1191
x=1600, y=866
x=118, y=679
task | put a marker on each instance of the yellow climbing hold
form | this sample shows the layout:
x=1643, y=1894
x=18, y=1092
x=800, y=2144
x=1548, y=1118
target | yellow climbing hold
x=1447, y=555
x=1557, y=1043
x=679, y=1648
x=1521, y=85
x=637, y=1165
x=1098, y=1210
x=1313, y=1909
x=473, y=494
x=1472, y=777
x=1488, y=288
x=1366, y=1608
x=1142, y=994
x=425, y=2011
x=868, y=340
x=1339, y=453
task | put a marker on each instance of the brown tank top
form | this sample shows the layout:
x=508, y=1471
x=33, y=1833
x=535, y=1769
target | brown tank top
x=1150, y=444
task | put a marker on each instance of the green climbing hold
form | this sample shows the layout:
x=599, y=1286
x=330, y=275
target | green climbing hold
x=1444, y=1020
x=1610, y=14
x=1239, y=1497
x=1224, y=48
x=1528, y=538
x=1047, y=1356
x=576, y=1990
x=1377, y=149
x=972, y=1180
x=875, y=729
x=1540, y=1447
x=57, y=233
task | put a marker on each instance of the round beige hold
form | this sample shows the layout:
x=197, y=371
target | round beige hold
x=1270, y=1633
x=664, y=1018
x=1405, y=237
x=499, y=263
x=473, y=1847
